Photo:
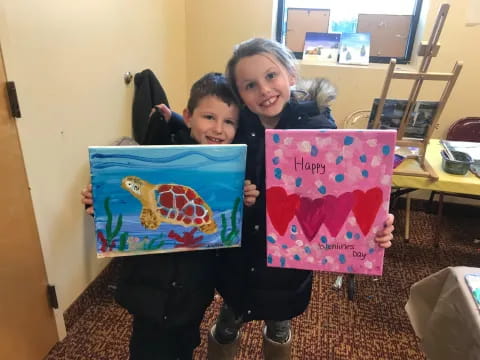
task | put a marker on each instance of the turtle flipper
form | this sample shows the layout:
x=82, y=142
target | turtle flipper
x=150, y=219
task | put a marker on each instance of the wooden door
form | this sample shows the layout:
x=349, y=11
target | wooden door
x=27, y=323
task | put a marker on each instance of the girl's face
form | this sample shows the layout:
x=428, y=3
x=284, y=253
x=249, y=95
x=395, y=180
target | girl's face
x=264, y=86
x=212, y=121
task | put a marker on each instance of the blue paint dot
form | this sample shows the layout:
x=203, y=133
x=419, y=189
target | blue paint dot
x=308, y=250
x=357, y=236
x=339, y=160
x=363, y=158
x=278, y=173
x=298, y=182
x=294, y=228
x=386, y=149
x=348, y=140
x=276, y=160
x=322, y=189
x=342, y=259
x=324, y=261
x=276, y=138
x=350, y=268
x=365, y=173
x=314, y=151
x=284, y=246
x=269, y=259
x=339, y=178
x=282, y=261
x=349, y=234
x=293, y=236
x=271, y=240
x=296, y=257
x=323, y=239
x=371, y=250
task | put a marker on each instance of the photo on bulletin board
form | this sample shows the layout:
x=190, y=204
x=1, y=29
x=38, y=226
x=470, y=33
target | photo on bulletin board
x=157, y=199
x=354, y=49
x=328, y=194
x=420, y=118
x=321, y=47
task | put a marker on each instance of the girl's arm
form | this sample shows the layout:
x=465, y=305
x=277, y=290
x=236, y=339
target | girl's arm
x=384, y=236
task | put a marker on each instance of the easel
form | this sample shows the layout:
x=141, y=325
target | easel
x=428, y=51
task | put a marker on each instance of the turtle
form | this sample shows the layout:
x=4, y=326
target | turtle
x=170, y=203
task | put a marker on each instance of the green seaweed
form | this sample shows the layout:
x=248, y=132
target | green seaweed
x=123, y=242
x=108, y=227
x=227, y=239
x=150, y=245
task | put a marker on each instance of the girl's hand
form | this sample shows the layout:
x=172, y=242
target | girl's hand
x=250, y=193
x=164, y=110
x=384, y=236
x=87, y=199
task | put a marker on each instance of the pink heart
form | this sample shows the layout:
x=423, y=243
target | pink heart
x=337, y=210
x=310, y=215
x=365, y=208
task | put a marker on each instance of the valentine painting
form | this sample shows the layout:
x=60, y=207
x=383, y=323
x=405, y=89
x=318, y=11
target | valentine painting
x=328, y=194
x=155, y=199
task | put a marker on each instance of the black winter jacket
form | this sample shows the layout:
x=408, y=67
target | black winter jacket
x=252, y=289
x=171, y=289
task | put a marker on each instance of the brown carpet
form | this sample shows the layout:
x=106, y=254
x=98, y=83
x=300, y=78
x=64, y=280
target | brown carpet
x=373, y=326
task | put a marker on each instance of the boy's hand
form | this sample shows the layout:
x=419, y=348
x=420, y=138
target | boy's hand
x=87, y=199
x=164, y=110
x=384, y=236
x=250, y=193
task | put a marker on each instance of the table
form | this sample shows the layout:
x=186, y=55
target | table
x=468, y=184
x=444, y=315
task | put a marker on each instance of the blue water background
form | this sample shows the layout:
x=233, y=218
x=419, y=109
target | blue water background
x=215, y=172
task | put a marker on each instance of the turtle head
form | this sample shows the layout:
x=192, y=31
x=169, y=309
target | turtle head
x=133, y=184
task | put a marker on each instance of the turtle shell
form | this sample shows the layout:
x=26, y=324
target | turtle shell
x=182, y=204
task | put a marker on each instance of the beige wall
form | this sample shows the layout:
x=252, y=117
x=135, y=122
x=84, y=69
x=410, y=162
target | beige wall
x=68, y=60
x=215, y=26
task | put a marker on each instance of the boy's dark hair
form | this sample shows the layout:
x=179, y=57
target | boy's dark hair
x=211, y=84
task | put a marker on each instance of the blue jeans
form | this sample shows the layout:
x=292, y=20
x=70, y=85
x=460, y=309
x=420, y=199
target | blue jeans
x=228, y=325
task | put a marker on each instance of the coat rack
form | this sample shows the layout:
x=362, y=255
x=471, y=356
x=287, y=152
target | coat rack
x=428, y=51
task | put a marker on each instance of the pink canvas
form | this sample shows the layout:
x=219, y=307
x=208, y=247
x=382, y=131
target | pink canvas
x=328, y=194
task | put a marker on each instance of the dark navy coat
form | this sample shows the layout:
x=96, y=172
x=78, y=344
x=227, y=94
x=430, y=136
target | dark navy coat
x=252, y=289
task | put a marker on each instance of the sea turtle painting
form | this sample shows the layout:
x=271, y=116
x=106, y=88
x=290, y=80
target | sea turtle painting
x=170, y=203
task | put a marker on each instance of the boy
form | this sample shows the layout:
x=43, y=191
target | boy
x=168, y=294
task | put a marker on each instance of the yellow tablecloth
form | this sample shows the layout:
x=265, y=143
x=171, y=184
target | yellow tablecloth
x=463, y=184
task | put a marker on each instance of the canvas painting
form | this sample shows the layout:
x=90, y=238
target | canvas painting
x=420, y=118
x=155, y=199
x=354, y=49
x=321, y=47
x=328, y=193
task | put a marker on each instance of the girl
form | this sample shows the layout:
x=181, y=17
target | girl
x=261, y=73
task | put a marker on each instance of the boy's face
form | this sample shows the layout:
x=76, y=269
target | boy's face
x=263, y=84
x=213, y=121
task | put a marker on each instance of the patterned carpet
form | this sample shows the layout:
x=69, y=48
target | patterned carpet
x=373, y=326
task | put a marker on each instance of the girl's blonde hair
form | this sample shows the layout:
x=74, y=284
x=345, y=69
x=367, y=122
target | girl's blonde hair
x=318, y=89
x=258, y=46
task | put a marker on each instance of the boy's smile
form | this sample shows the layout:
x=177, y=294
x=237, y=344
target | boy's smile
x=213, y=121
x=264, y=86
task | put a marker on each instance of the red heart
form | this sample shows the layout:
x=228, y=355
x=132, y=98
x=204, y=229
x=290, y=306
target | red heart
x=311, y=215
x=281, y=208
x=337, y=210
x=365, y=208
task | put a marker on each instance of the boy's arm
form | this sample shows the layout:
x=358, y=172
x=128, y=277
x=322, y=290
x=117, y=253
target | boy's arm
x=162, y=124
x=250, y=193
